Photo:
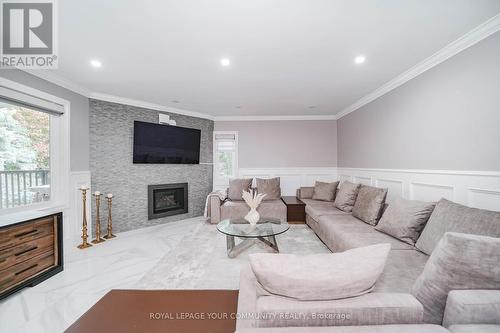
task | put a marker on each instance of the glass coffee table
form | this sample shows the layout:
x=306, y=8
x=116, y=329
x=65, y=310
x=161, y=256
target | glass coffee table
x=265, y=232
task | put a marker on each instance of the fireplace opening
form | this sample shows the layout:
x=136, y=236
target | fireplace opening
x=167, y=200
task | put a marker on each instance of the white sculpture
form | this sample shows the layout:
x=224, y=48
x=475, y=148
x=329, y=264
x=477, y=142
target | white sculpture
x=253, y=200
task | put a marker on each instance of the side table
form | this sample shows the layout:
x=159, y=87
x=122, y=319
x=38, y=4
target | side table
x=295, y=209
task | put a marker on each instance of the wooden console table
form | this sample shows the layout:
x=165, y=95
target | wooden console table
x=295, y=209
x=30, y=252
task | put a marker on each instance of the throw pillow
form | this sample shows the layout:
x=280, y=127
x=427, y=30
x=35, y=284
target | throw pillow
x=320, y=276
x=405, y=219
x=459, y=261
x=236, y=188
x=325, y=191
x=450, y=216
x=346, y=196
x=369, y=203
x=270, y=187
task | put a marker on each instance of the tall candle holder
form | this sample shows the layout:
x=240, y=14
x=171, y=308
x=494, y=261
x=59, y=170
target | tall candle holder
x=84, y=244
x=109, y=235
x=98, y=238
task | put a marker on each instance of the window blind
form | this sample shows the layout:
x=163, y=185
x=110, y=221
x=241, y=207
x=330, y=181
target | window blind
x=21, y=99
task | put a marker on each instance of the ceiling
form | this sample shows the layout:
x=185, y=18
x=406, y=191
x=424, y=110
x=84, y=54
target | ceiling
x=288, y=57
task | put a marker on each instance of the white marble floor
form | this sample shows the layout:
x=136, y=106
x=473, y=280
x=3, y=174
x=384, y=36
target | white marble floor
x=56, y=303
x=187, y=254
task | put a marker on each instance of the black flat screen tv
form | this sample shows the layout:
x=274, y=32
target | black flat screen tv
x=165, y=144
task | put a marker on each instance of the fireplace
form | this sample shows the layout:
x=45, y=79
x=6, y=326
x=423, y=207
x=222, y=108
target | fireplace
x=167, y=200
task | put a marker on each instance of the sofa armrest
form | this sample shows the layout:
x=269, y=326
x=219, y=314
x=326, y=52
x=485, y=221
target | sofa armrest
x=472, y=307
x=215, y=204
x=305, y=192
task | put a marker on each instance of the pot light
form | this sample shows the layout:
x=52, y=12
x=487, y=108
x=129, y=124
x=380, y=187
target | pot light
x=360, y=59
x=96, y=63
x=225, y=62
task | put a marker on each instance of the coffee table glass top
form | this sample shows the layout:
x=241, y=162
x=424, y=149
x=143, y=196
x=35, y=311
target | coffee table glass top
x=239, y=227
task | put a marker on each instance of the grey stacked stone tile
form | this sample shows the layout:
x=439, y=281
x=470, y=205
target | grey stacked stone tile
x=112, y=170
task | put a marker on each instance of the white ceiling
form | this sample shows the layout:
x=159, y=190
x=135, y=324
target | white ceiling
x=288, y=57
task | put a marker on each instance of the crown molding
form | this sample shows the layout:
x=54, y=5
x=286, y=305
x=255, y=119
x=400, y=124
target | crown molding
x=472, y=37
x=147, y=105
x=49, y=76
x=278, y=118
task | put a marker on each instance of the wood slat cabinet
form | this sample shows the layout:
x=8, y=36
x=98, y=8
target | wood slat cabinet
x=30, y=252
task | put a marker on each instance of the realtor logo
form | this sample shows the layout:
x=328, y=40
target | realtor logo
x=28, y=34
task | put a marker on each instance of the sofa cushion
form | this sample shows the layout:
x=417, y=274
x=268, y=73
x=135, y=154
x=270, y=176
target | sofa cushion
x=320, y=276
x=236, y=188
x=450, y=216
x=401, y=270
x=368, y=309
x=346, y=196
x=327, y=208
x=459, y=261
x=345, y=232
x=472, y=306
x=405, y=219
x=474, y=328
x=325, y=191
x=408, y=328
x=369, y=203
x=270, y=187
x=237, y=209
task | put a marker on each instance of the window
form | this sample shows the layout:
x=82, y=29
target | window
x=33, y=142
x=225, y=157
x=24, y=156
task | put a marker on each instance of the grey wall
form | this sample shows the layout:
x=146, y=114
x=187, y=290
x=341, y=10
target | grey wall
x=448, y=118
x=282, y=144
x=79, y=114
x=112, y=170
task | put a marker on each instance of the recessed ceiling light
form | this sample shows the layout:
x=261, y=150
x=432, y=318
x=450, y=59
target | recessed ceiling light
x=360, y=59
x=95, y=63
x=225, y=62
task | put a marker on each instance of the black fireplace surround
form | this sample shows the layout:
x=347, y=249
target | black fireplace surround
x=167, y=200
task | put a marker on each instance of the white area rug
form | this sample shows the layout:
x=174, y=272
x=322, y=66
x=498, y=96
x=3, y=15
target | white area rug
x=200, y=261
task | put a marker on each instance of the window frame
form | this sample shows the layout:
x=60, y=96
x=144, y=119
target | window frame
x=220, y=183
x=59, y=150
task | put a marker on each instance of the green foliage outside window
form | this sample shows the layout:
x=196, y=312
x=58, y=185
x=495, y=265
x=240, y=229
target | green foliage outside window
x=24, y=139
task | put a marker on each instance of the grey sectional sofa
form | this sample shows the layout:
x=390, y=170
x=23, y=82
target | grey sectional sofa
x=390, y=307
x=234, y=207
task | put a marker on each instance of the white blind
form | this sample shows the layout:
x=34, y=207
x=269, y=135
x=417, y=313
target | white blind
x=225, y=136
x=225, y=142
x=19, y=98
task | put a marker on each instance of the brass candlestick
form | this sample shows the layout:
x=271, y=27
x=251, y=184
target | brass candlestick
x=84, y=244
x=109, y=235
x=98, y=238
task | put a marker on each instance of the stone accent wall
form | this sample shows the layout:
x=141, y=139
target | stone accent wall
x=112, y=170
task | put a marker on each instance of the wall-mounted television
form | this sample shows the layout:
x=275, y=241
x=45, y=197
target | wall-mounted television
x=165, y=144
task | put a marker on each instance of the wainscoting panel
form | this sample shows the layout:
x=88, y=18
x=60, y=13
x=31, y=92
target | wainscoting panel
x=431, y=192
x=363, y=180
x=484, y=198
x=291, y=178
x=395, y=188
x=479, y=189
x=344, y=178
